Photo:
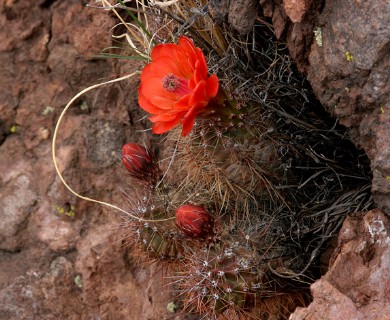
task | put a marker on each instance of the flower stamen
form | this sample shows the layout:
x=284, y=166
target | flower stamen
x=173, y=83
x=170, y=82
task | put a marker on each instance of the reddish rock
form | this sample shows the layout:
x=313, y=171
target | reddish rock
x=279, y=21
x=94, y=23
x=56, y=228
x=374, y=133
x=219, y=10
x=47, y=59
x=349, y=74
x=356, y=285
x=294, y=22
x=36, y=294
x=296, y=9
x=351, y=59
x=104, y=140
x=18, y=194
x=115, y=287
x=242, y=15
x=16, y=201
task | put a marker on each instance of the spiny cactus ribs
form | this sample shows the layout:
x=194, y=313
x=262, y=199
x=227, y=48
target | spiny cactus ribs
x=234, y=248
x=256, y=181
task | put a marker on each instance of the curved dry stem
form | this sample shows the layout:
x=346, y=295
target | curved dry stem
x=130, y=42
x=162, y=4
x=123, y=22
x=55, y=159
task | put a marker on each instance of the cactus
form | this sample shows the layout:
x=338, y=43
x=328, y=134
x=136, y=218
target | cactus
x=258, y=176
x=235, y=173
x=254, y=187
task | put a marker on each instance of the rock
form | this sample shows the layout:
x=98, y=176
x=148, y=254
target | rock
x=242, y=15
x=349, y=74
x=294, y=22
x=56, y=228
x=375, y=131
x=104, y=140
x=279, y=21
x=356, y=285
x=16, y=202
x=66, y=157
x=351, y=51
x=219, y=10
x=296, y=9
x=40, y=295
x=49, y=57
x=80, y=73
x=116, y=285
x=93, y=23
x=328, y=304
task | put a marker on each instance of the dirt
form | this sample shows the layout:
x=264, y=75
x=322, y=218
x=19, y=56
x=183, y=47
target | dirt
x=63, y=258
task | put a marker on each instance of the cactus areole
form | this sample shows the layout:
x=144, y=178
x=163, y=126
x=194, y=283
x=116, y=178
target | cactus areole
x=194, y=221
x=175, y=86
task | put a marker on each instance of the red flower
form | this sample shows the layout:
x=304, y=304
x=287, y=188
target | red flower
x=194, y=221
x=140, y=163
x=175, y=86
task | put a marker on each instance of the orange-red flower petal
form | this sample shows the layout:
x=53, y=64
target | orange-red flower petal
x=175, y=87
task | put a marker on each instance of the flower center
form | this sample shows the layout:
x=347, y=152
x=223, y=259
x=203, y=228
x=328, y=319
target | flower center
x=170, y=82
x=176, y=84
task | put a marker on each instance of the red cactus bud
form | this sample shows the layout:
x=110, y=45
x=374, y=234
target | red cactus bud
x=194, y=221
x=140, y=163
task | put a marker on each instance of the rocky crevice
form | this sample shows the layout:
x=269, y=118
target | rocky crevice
x=49, y=239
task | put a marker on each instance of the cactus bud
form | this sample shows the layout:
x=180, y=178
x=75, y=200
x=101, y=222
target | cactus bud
x=140, y=163
x=194, y=221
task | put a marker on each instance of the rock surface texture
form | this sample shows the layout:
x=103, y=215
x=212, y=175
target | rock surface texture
x=62, y=258
x=293, y=22
x=356, y=285
x=343, y=47
x=349, y=74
